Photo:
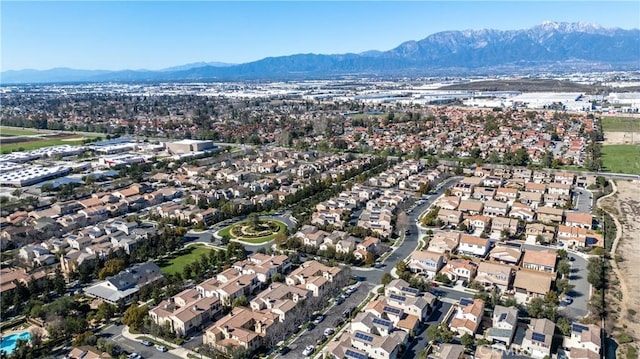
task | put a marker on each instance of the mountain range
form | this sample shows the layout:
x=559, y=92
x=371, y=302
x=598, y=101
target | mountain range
x=551, y=46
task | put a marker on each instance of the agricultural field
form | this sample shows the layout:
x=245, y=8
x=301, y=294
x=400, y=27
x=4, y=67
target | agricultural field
x=621, y=158
x=176, y=262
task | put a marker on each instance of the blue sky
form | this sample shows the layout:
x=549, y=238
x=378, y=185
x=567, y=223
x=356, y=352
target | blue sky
x=157, y=34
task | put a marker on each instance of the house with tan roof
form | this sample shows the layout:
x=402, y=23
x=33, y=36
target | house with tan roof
x=499, y=224
x=483, y=193
x=471, y=207
x=472, y=245
x=426, y=263
x=449, y=216
x=314, y=276
x=185, y=312
x=448, y=202
x=495, y=208
x=535, y=187
x=448, y=351
x=478, y=223
x=550, y=215
x=492, y=274
x=529, y=284
x=243, y=328
x=538, y=337
x=540, y=260
x=467, y=317
x=580, y=220
x=444, y=241
x=506, y=194
x=523, y=212
x=506, y=254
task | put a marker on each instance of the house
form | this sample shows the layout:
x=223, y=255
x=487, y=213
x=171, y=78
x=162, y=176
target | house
x=492, y=274
x=506, y=254
x=530, y=284
x=566, y=178
x=426, y=263
x=504, y=322
x=376, y=346
x=467, y=317
x=504, y=224
x=400, y=287
x=460, y=269
x=124, y=285
x=506, y=194
x=478, y=223
x=538, y=337
x=449, y=351
x=495, y=208
x=471, y=207
x=185, y=312
x=10, y=276
x=87, y=352
x=314, y=276
x=559, y=189
x=522, y=212
x=538, y=232
x=472, y=245
x=535, y=187
x=483, y=193
x=550, y=215
x=280, y=299
x=447, y=216
x=531, y=199
x=584, y=341
x=243, y=328
x=579, y=220
x=573, y=236
x=448, y=202
x=444, y=242
x=542, y=260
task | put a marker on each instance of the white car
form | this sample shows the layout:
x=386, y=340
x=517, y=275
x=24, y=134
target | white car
x=308, y=350
x=328, y=331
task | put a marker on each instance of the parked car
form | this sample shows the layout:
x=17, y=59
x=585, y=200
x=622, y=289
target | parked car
x=308, y=350
x=146, y=343
x=321, y=340
x=311, y=326
x=318, y=320
x=339, y=300
x=161, y=348
x=284, y=350
x=329, y=331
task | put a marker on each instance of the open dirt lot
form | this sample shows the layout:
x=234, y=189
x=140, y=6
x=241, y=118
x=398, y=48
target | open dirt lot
x=621, y=138
x=625, y=205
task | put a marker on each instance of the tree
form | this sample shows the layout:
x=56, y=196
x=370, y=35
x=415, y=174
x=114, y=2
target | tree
x=433, y=333
x=111, y=267
x=386, y=278
x=241, y=301
x=467, y=340
x=563, y=286
x=369, y=259
x=254, y=221
x=564, y=326
x=134, y=316
x=564, y=267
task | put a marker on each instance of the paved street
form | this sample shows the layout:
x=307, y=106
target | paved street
x=309, y=337
x=114, y=333
x=421, y=341
x=410, y=241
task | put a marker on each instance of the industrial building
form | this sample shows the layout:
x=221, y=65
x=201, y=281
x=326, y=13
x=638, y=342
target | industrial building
x=31, y=175
x=187, y=146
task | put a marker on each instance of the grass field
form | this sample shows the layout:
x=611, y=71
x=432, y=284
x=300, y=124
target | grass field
x=620, y=124
x=177, y=263
x=282, y=228
x=621, y=158
x=16, y=131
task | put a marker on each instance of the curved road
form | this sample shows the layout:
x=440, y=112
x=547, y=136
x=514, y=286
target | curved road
x=410, y=241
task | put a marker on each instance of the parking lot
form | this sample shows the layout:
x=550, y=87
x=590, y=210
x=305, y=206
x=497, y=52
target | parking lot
x=332, y=316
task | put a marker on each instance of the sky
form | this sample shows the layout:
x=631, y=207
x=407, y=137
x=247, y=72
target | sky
x=113, y=35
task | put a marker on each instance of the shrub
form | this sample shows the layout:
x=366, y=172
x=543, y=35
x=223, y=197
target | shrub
x=624, y=338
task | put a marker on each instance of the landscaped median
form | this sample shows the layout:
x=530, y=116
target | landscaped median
x=254, y=232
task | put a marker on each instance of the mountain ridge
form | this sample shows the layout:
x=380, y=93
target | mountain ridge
x=550, y=46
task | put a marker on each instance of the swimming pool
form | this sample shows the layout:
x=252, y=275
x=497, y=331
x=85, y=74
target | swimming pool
x=8, y=343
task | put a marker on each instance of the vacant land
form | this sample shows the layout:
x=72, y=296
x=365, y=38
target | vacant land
x=16, y=131
x=525, y=85
x=621, y=158
x=625, y=205
x=176, y=262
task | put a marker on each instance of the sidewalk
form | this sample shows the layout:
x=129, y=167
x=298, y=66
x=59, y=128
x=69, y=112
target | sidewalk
x=178, y=351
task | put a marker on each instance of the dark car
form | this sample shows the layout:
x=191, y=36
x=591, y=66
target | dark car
x=321, y=340
x=339, y=300
x=311, y=326
x=284, y=350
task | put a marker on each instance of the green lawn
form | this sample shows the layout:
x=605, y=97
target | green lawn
x=621, y=158
x=16, y=131
x=258, y=240
x=32, y=145
x=177, y=263
x=621, y=124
